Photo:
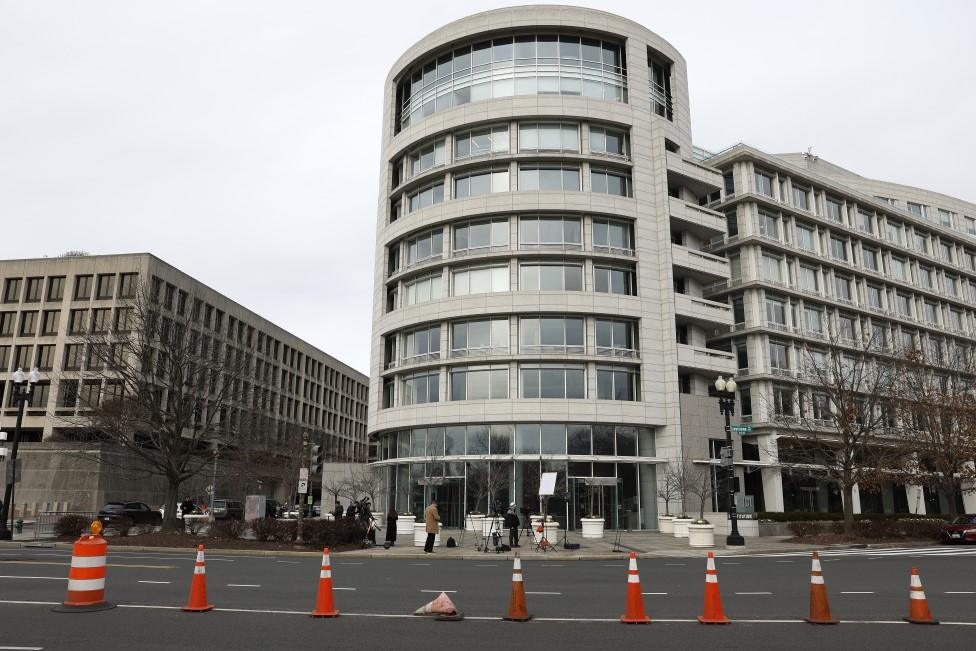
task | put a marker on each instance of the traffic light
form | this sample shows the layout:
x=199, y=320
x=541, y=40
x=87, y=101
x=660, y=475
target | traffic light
x=315, y=459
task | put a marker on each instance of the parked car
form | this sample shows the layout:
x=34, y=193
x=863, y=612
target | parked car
x=227, y=509
x=137, y=513
x=960, y=530
x=273, y=508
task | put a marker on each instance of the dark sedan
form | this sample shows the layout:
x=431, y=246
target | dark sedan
x=135, y=513
x=960, y=530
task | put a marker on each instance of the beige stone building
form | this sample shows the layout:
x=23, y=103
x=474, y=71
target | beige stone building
x=48, y=303
x=538, y=303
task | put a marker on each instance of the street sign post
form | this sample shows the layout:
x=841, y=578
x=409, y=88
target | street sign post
x=303, y=473
x=303, y=486
x=742, y=429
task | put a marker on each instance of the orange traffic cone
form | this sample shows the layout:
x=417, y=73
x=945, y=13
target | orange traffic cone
x=198, y=588
x=324, y=603
x=442, y=608
x=635, y=601
x=819, y=608
x=918, y=605
x=713, y=599
x=517, y=612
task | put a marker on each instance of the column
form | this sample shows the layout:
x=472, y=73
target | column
x=772, y=477
x=916, y=499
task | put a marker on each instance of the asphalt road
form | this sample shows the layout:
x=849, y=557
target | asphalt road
x=575, y=603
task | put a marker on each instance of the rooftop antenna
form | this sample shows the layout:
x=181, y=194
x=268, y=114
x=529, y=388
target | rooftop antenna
x=809, y=155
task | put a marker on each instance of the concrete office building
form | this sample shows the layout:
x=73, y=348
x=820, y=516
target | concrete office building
x=539, y=267
x=816, y=249
x=48, y=302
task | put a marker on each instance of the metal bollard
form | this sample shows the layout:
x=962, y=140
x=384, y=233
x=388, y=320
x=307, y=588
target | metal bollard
x=19, y=525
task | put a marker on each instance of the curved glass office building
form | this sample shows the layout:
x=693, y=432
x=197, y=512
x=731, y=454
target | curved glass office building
x=538, y=297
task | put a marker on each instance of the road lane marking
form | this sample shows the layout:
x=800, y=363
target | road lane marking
x=155, y=582
x=144, y=567
x=674, y=564
x=784, y=561
x=543, y=593
x=50, y=578
x=21, y=648
x=243, y=585
x=344, y=563
x=290, y=562
x=616, y=565
x=495, y=565
x=420, y=564
x=550, y=565
x=439, y=591
x=960, y=592
x=852, y=592
x=753, y=593
x=655, y=593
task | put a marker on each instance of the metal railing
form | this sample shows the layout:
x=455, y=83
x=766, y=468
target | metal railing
x=47, y=520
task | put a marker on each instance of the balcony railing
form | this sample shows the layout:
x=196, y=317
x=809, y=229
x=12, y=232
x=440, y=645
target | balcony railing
x=479, y=351
x=551, y=349
x=605, y=351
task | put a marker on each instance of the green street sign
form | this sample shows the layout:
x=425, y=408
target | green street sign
x=742, y=429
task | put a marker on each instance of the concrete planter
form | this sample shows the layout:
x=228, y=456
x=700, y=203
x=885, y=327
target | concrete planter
x=489, y=524
x=701, y=535
x=420, y=534
x=665, y=523
x=591, y=527
x=404, y=526
x=205, y=522
x=681, y=527
x=473, y=522
x=551, y=530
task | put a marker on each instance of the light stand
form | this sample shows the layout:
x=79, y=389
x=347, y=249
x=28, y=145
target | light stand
x=726, y=406
x=23, y=393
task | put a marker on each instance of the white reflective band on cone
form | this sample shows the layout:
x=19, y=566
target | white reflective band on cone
x=325, y=574
x=200, y=569
x=85, y=585
x=518, y=564
x=325, y=559
x=87, y=561
x=818, y=580
x=816, y=565
x=633, y=578
x=711, y=564
x=517, y=578
x=915, y=594
x=711, y=578
x=633, y=564
x=199, y=557
x=916, y=581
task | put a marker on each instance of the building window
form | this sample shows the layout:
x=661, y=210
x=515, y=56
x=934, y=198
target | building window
x=925, y=277
x=28, y=324
x=805, y=238
x=73, y=355
x=127, y=285
x=101, y=319
x=952, y=286
x=423, y=289
x=44, y=358
x=834, y=210
x=11, y=290
x=778, y=358
x=554, y=382
x=616, y=383
x=7, y=323
x=55, y=288
x=479, y=383
x=607, y=181
x=916, y=208
x=772, y=268
x=764, y=183
x=905, y=306
x=480, y=142
x=77, y=322
x=105, y=287
x=420, y=389
x=549, y=177
x=83, y=288
x=479, y=338
x=427, y=196
x=869, y=258
x=947, y=252
x=864, y=222
x=549, y=137
x=614, y=280
x=899, y=269
x=930, y=316
x=612, y=236
x=607, y=141
x=425, y=246
x=776, y=311
x=422, y=344
x=480, y=182
x=809, y=279
x=970, y=225
x=551, y=335
x=838, y=249
x=123, y=319
x=550, y=277
x=921, y=242
x=615, y=338
x=427, y=157
x=801, y=197
x=480, y=280
x=768, y=225
x=842, y=287
x=560, y=233
x=32, y=291
x=481, y=235
x=894, y=232
x=845, y=327
x=874, y=297
x=50, y=322
x=68, y=394
x=783, y=401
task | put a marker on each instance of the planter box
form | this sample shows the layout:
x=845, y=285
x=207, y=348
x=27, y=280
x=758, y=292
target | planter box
x=591, y=527
x=489, y=524
x=681, y=527
x=404, y=526
x=701, y=535
x=551, y=531
x=473, y=522
x=665, y=523
x=420, y=534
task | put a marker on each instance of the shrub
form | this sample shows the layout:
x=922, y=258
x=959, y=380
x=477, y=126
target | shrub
x=921, y=528
x=196, y=525
x=803, y=529
x=286, y=530
x=231, y=528
x=328, y=533
x=264, y=528
x=808, y=516
x=123, y=526
x=71, y=525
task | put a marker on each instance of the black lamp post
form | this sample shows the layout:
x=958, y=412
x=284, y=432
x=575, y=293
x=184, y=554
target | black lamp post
x=23, y=393
x=726, y=405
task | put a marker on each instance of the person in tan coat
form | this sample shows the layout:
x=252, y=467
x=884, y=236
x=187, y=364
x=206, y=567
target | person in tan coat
x=432, y=519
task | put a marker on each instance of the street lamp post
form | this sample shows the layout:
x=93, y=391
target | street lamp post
x=726, y=405
x=23, y=393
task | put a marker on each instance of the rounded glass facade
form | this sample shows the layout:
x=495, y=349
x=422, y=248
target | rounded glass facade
x=554, y=64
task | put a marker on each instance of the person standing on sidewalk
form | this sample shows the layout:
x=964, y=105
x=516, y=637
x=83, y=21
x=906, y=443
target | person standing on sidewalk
x=432, y=519
x=391, y=526
x=512, y=522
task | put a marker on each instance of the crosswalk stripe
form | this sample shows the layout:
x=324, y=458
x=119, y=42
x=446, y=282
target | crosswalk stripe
x=875, y=553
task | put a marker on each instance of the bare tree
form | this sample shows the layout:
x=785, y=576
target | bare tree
x=486, y=480
x=156, y=384
x=698, y=479
x=368, y=482
x=836, y=414
x=937, y=419
x=669, y=488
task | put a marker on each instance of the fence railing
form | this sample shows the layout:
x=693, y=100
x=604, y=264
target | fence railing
x=46, y=520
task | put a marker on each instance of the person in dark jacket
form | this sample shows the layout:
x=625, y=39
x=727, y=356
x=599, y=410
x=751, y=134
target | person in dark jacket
x=512, y=522
x=337, y=511
x=351, y=511
x=391, y=526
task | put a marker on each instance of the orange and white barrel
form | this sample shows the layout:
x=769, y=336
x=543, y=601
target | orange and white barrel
x=86, y=576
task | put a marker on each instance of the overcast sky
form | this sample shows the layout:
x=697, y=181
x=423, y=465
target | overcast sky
x=239, y=140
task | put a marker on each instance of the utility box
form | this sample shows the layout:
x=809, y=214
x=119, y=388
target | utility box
x=254, y=507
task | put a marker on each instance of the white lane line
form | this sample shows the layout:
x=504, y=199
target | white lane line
x=420, y=564
x=289, y=562
x=335, y=588
x=350, y=563
x=615, y=565
x=753, y=593
x=655, y=593
x=552, y=565
x=960, y=592
x=784, y=561
x=439, y=591
x=243, y=585
x=48, y=578
x=486, y=565
x=726, y=563
x=159, y=582
x=852, y=592
x=21, y=648
x=543, y=592
x=674, y=564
